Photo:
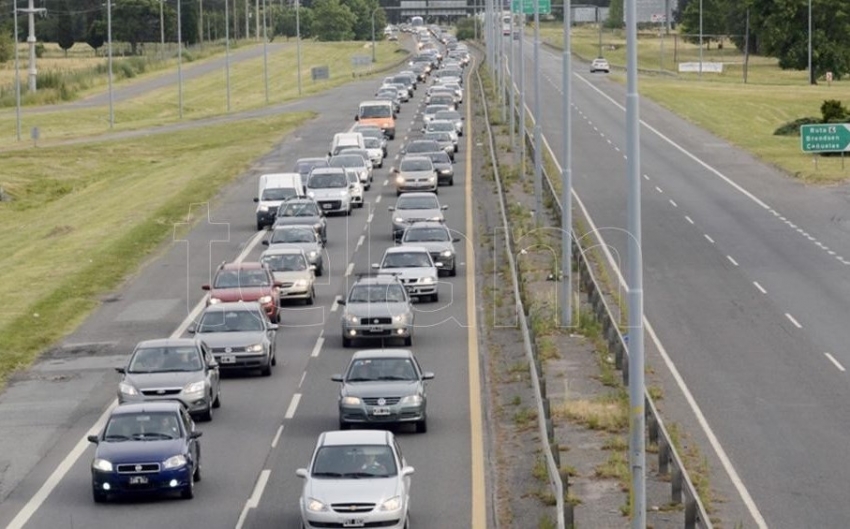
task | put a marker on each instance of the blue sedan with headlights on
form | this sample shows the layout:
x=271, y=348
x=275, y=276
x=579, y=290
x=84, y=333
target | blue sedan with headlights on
x=146, y=448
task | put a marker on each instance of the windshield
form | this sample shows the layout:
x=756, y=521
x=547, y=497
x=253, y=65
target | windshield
x=292, y=262
x=426, y=235
x=375, y=111
x=304, y=168
x=441, y=126
x=278, y=193
x=230, y=321
x=438, y=136
x=328, y=180
x=354, y=462
x=369, y=369
x=440, y=157
x=300, y=209
x=372, y=143
x=293, y=235
x=142, y=427
x=416, y=165
x=347, y=160
x=165, y=359
x=241, y=278
x=417, y=203
x=407, y=260
x=376, y=294
x=433, y=109
x=448, y=115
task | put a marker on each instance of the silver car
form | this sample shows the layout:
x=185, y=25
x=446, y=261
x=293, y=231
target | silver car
x=239, y=335
x=415, y=207
x=453, y=116
x=383, y=386
x=444, y=140
x=431, y=110
x=415, y=173
x=443, y=126
x=292, y=268
x=172, y=369
x=377, y=307
x=375, y=150
x=356, y=479
x=437, y=238
x=415, y=268
x=303, y=237
x=356, y=160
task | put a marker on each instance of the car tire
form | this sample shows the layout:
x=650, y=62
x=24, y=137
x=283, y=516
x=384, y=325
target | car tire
x=274, y=359
x=453, y=271
x=266, y=370
x=196, y=475
x=344, y=425
x=188, y=491
x=260, y=226
x=452, y=181
x=435, y=297
x=348, y=213
x=217, y=401
x=398, y=193
x=408, y=341
x=207, y=414
x=98, y=497
x=422, y=426
x=310, y=300
x=346, y=342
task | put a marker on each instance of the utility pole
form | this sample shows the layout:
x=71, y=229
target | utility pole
x=109, y=60
x=811, y=72
x=257, y=18
x=298, y=41
x=567, y=175
x=31, y=11
x=247, y=22
x=201, y=22
x=265, y=52
x=17, y=76
x=179, y=59
x=538, y=141
x=227, y=50
x=162, y=31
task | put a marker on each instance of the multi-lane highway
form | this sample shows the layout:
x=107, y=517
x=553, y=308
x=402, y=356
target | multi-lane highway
x=746, y=290
x=266, y=427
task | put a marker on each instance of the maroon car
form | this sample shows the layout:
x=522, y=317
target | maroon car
x=247, y=281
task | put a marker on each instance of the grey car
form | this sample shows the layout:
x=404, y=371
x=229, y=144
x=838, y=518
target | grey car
x=303, y=166
x=453, y=116
x=172, y=369
x=377, y=307
x=415, y=173
x=299, y=236
x=383, y=386
x=292, y=268
x=239, y=335
x=444, y=140
x=300, y=211
x=444, y=125
x=372, y=131
x=438, y=239
x=415, y=207
x=415, y=268
x=444, y=166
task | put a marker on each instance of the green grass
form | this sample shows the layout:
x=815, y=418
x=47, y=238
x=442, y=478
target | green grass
x=85, y=216
x=206, y=96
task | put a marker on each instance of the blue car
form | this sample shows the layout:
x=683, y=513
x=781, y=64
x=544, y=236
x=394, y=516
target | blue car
x=147, y=447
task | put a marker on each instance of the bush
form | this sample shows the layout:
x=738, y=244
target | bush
x=7, y=49
x=466, y=28
x=833, y=111
x=39, y=50
x=793, y=128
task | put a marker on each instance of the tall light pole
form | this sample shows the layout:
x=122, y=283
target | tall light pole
x=637, y=441
x=700, y=39
x=512, y=66
x=298, y=41
x=109, y=60
x=567, y=175
x=538, y=143
x=265, y=52
x=162, y=30
x=31, y=11
x=227, y=50
x=811, y=73
x=247, y=22
x=374, y=11
x=522, y=94
x=179, y=59
x=257, y=18
x=17, y=77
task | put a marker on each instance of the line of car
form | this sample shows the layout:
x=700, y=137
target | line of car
x=150, y=442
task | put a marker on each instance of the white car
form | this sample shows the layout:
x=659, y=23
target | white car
x=356, y=478
x=415, y=267
x=600, y=65
x=355, y=189
x=328, y=186
x=375, y=150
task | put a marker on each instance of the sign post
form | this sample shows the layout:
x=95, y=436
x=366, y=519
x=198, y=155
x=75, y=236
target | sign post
x=829, y=137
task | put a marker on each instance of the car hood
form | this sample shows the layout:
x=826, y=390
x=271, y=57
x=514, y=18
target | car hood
x=363, y=490
x=383, y=388
x=179, y=379
x=412, y=272
x=292, y=276
x=328, y=192
x=418, y=214
x=139, y=451
x=240, y=293
x=407, y=175
x=306, y=246
x=443, y=166
x=297, y=221
x=231, y=339
x=433, y=246
x=368, y=310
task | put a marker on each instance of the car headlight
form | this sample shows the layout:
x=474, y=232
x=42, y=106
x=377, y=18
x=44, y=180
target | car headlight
x=392, y=504
x=435, y=219
x=195, y=387
x=446, y=253
x=311, y=194
x=445, y=171
x=353, y=319
x=127, y=389
x=263, y=208
x=428, y=280
x=344, y=193
x=398, y=318
x=314, y=505
x=312, y=254
x=101, y=464
x=398, y=219
x=414, y=400
x=351, y=401
x=256, y=348
x=432, y=178
x=213, y=301
x=301, y=283
x=174, y=462
x=399, y=179
x=265, y=299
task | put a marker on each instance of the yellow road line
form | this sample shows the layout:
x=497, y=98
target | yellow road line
x=479, y=503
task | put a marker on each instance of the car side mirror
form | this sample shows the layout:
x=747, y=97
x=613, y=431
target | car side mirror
x=456, y=239
x=273, y=326
x=340, y=302
x=406, y=471
x=93, y=439
x=256, y=199
x=205, y=287
x=376, y=266
x=444, y=207
x=336, y=378
x=195, y=435
x=350, y=186
x=390, y=208
x=356, y=117
x=191, y=330
x=301, y=472
x=265, y=243
x=121, y=370
x=427, y=375
x=213, y=365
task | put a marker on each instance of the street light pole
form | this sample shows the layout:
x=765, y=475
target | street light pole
x=374, y=11
x=227, y=51
x=109, y=60
x=265, y=52
x=180, y=59
x=700, y=39
x=567, y=175
x=31, y=42
x=17, y=77
x=298, y=41
x=162, y=30
x=811, y=73
x=538, y=143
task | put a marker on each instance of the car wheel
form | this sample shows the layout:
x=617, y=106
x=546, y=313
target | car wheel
x=435, y=297
x=266, y=370
x=98, y=497
x=348, y=213
x=346, y=342
x=196, y=476
x=320, y=270
x=274, y=359
x=207, y=414
x=344, y=426
x=452, y=181
x=217, y=401
x=188, y=491
x=367, y=187
x=260, y=226
x=422, y=426
x=408, y=341
x=398, y=193
x=453, y=271
x=309, y=300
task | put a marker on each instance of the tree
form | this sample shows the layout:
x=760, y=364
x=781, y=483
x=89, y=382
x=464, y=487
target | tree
x=362, y=10
x=135, y=22
x=332, y=21
x=7, y=48
x=65, y=35
x=615, y=15
x=96, y=35
x=713, y=20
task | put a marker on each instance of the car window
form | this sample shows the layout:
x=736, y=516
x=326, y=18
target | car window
x=230, y=321
x=286, y=262
x=354, y=461
x=417, y=203
x=375, y=111
x=392, y=293
x=165, y=359
x=416, y=165
x=375, y=369
x=348, y=160
x=254, y=278
x=327, y=180
x=142, y=427
x=426, y=235
x=299, y=209
x=406, y=260
x=278, y=193
x=293, y=235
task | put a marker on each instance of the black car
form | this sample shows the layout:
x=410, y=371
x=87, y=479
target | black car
x=444, y=166
x=303, y=166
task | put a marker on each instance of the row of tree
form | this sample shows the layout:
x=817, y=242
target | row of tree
x=137, y=22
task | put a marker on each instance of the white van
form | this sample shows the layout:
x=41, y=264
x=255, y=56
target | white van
x=346, y=140
x=273, y=190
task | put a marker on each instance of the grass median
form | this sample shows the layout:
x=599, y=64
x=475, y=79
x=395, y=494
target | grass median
x=84, y=217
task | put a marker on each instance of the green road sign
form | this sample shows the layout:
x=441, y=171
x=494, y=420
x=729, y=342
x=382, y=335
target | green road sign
x=545, y=6
x=829, y=137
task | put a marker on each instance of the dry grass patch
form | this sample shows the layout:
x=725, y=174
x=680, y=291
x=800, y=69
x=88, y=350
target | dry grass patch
x=607, y=413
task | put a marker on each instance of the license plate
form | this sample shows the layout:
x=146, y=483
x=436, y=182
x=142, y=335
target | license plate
x=138, y=480
x=381, y=411
x=376, y=329
x=228, y=359
x=354, y=522
x=326, y=206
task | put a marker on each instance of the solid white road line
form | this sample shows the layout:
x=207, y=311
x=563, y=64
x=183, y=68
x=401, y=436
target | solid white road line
x=277, y=435
x=349, y=269
x=254, y=500
x=320, y=341
x=687, y=218
x=834, y=361
x=792, y=320
x=290, y=411
x=734, y=262
x=709, y=239
x=335, y=304
x=761, y=288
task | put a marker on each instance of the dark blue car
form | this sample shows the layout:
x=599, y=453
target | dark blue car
x=148, y=447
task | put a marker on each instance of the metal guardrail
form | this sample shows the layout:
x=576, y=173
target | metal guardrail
x=544, y=420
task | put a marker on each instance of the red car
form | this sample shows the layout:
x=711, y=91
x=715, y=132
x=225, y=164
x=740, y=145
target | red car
x=246, y=281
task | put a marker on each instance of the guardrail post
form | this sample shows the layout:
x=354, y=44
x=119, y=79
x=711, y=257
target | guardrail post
x=663, y=456
x=652, y=427
x=690, y=514
x=542, y=384
x=676, y=484
x=556, y=453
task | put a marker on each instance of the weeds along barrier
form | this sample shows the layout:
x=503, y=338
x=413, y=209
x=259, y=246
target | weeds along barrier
x=544, y=421
x=682, y=490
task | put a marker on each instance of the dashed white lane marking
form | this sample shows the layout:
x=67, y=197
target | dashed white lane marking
x=689, y=219
x=709, y=239
x=360, y=241
x=318, y=347
x=835, y=362
x=658, y=189
x=761, y=288
x=278, y=433
x=386, y=182
x=378, y=198
x=646, y=177
x=734, y=262
x=672, y=203
x=335, y=304
x=290, y=411
x=254, y=500
x=303, y=376
x=792, y=320
x=349, y=269
x=370, y=217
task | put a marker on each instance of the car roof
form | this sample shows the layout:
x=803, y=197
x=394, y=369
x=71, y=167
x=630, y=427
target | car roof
x=148, y=406
x=283, y=251
x=377, y=279
x=405, y=249
x=415, y=157
x=234, y=305
x=427, y=224
x=355, y=437
x=167, y=342
x=327, y=170
x=243, y=265
x=383, y=353
x=417, y=194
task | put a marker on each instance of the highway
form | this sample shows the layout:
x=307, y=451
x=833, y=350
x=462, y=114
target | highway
x=746, y=287
x=266, y=427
